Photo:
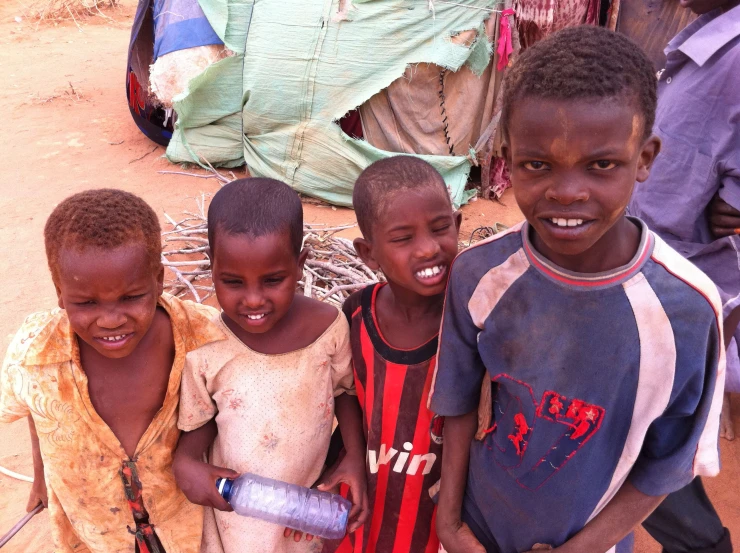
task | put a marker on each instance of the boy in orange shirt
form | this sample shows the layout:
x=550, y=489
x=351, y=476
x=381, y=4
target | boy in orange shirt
x=99, y=381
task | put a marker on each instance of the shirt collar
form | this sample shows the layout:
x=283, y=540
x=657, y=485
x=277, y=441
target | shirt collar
x=55, y=343
x=707, y=35
x=592, y=281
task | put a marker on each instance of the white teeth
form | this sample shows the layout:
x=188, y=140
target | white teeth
x=256, y=317
x=430, y=272
x=114, y=338
x=566, y=222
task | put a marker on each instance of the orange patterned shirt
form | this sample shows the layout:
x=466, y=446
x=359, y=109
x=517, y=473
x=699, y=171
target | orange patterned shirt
x=88, y=506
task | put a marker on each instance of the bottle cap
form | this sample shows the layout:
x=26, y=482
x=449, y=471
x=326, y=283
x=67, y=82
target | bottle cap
x=223, y=485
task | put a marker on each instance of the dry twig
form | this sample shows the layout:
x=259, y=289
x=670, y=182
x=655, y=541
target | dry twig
x=73, y=10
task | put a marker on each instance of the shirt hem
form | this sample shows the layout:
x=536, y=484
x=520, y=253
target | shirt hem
x=194, y=426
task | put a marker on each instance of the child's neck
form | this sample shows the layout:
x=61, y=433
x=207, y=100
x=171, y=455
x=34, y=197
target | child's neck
x=613, y=250
x=301, y=326
x=408, y=320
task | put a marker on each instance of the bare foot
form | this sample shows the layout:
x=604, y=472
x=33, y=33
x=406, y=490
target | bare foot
x=726, y=427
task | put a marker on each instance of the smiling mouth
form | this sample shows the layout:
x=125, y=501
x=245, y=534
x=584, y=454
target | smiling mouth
x=254, y=318
x=115, y=340
x=431, y=275
x=430, y=272
x=561, y=222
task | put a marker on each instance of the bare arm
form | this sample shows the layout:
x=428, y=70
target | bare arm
x=731, y=322
x=349, y=416
x=351, y=469
x=620, y=517
x=454, y=534
x=196, y=478
x=38, y=489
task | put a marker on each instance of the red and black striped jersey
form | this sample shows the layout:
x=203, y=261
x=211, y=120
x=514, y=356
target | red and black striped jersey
x=404, y=438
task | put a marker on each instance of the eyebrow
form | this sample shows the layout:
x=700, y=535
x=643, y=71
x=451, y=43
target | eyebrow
x=604, y=152
x=274, y=273
x=437, y=219
x=398, y=228
x=598, y=154
x=532, y=153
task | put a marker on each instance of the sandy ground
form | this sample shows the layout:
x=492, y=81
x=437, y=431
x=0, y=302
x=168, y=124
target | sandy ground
x=66, y=128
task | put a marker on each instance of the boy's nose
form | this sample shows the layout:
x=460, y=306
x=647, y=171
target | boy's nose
x=111, y=319
x=568, y=191
x=427, y=248
x=253, y=299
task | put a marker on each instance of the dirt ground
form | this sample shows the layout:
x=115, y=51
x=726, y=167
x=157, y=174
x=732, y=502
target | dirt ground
x=65, y=128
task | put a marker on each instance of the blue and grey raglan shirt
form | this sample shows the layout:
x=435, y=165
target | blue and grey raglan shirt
x=596, y=379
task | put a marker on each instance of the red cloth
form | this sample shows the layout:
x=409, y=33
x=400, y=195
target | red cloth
x=505, y=47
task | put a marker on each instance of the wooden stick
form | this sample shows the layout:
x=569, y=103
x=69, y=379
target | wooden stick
x=20, y=524
x=336, y=289
x=352, y=275
x=192, y=239
x=186, y=232
x=187, y=283
x=201, y=262
x=307, y=285
x=185, y=251
x=187, y=174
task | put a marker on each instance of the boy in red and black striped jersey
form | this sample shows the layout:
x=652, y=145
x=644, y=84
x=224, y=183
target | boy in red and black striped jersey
x=410, y=233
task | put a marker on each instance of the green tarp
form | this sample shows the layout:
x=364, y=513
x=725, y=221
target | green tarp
x=300, y=65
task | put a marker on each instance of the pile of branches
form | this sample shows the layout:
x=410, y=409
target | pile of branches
x=58, y=10
x=332, y=271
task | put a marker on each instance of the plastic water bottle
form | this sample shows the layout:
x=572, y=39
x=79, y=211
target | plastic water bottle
x=310, y=511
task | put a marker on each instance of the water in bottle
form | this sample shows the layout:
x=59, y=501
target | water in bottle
x=310, y=511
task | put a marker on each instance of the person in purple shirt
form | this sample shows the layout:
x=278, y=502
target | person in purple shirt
x=692, y=197
x=692, y=200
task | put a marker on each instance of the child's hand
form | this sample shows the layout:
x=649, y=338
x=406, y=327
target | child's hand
x=296, y=535
x=38, y=488
x=540, y=547
x=724, y=220
x=197, y=480
x=458, y=538
x=351, y=471
x=38, y=493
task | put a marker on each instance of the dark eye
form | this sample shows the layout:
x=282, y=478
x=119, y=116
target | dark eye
x=274, y=281
x=535, y=165
x=442, y=228
x=134, y=298
x=604, y=165
x=84, y=303
x=231, y=282
x=401, y=239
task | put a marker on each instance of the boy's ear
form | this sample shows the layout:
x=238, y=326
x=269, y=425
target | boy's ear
x=506, y=154
x=60, y=301
x=302, y=261
x=160, y=281
x=365, y=250
x=458, y=216
x=650, y=151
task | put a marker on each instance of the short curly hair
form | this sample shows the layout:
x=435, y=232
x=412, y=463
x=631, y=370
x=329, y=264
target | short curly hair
x=378, y=183
x=103, y=218
x=583, y=62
